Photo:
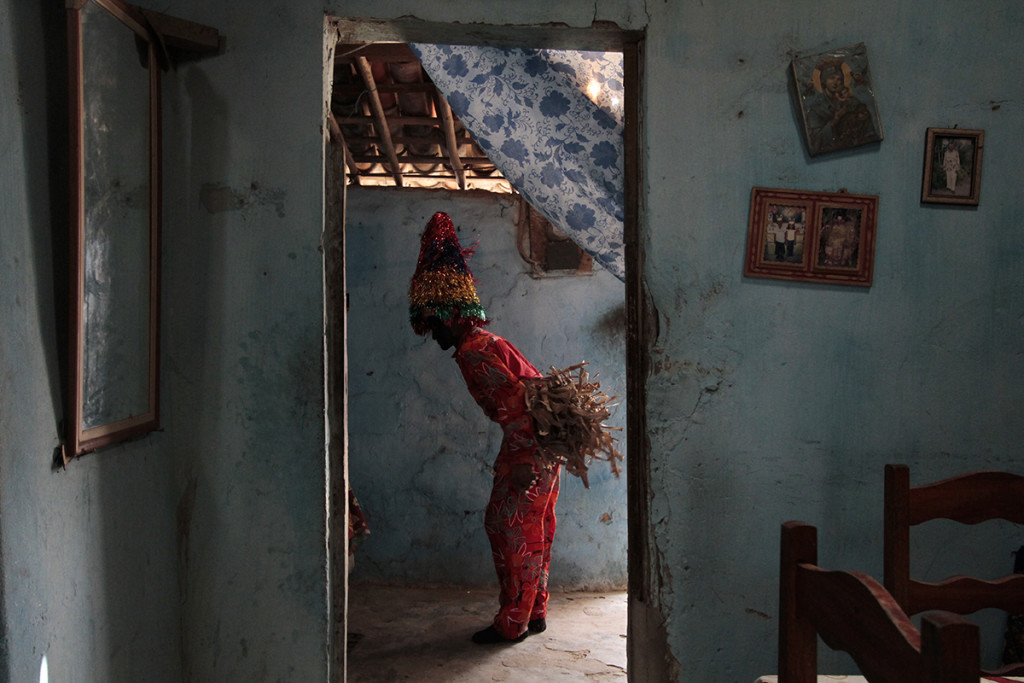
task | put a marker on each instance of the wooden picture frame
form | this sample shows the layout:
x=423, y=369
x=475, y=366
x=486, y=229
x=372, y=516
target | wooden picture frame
x=952, y=166
x=805, y=236
x=837, y=105
x=115, y=235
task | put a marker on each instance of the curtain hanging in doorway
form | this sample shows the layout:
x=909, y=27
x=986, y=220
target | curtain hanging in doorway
x=530, y=112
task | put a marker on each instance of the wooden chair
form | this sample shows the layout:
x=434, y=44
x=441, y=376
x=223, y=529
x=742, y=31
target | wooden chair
x=854, y=613
x=969, y=499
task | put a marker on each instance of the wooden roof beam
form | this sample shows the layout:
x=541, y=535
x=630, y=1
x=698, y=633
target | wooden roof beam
x=381, y=120
x=448, y=125
x=339, y=138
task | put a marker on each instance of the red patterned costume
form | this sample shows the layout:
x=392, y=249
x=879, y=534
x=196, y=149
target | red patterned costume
x=519, y=524
x=520, y=516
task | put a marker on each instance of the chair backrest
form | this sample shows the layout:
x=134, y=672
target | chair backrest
x=969, y=498
x=853, y=613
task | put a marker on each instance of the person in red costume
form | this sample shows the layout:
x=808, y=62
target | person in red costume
x=520, y=515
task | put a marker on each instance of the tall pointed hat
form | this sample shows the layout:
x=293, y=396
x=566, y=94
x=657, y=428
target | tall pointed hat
x=442, y=285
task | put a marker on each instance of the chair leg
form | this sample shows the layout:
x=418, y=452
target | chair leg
x=949, y=649
x=896, y=537
x=798, y=641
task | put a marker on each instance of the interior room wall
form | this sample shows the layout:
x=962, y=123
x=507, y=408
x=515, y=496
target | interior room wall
x=88, y=570
x=770, y=400
x=766, y=401
x=420, y=449
x=243, y=331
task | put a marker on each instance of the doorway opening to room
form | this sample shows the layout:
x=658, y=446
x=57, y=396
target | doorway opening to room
x=436, y=151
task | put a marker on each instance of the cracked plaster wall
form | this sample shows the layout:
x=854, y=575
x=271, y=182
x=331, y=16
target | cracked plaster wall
x=81, y=548
x=769, y=401
x=420, y=448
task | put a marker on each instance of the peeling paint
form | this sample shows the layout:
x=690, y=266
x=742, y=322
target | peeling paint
x=613, y=323
x=219, y=198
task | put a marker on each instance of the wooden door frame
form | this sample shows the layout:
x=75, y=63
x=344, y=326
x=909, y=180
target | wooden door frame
x=647, y=649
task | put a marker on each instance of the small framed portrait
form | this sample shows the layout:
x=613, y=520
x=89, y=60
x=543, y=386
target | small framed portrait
x=952, y=166
x=806, y=236
x=835, y=99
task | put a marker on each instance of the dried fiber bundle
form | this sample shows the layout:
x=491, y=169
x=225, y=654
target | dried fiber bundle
x=568, y=412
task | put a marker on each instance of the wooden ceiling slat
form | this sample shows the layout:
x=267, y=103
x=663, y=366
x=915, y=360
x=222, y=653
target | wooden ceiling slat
x=438, y=175
x=433, y=139
x=378, y=52
x=381, y=143
x=400, y=88
x=397, y=120
x=467, y=162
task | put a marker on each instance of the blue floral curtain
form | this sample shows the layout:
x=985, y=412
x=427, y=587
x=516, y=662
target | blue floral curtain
x=530, y=112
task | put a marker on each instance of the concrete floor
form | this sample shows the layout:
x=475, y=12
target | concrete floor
x=423, y=635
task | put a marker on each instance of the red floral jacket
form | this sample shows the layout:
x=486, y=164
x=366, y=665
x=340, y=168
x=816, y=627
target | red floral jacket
x=493, y=368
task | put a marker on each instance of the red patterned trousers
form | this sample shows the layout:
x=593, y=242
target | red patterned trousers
x=521, y=527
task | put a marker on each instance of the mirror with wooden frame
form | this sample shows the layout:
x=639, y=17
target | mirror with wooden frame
x=115, y=225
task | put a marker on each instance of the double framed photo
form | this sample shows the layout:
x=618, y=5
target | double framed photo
x=952, y=166
x=805, y=236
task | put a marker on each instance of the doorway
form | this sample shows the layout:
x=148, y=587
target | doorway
x=339, y=30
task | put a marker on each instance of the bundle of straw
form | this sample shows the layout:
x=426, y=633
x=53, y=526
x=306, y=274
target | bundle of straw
x=568, y=412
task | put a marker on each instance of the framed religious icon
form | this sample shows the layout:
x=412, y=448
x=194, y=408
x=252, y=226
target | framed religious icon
x=836, y=101
x=952, y=166
x=806, y=236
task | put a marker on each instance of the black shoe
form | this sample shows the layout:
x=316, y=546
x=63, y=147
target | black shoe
x=537, y=625
x=490, y=636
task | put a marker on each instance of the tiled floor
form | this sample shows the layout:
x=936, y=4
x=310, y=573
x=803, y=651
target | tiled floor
x=423, y=635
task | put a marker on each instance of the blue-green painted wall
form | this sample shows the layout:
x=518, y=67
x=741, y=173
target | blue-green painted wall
x=771, y=401
x=420, y=448
x=197, y=552
x=87, y=559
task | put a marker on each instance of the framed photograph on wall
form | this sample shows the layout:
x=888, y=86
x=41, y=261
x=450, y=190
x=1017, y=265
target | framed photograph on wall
x=952, y=166
x=836, y=102
x=806, y=236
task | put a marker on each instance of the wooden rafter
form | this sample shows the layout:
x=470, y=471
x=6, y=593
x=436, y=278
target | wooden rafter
x=339, y=138
x=381, y=119
x=385, y=131
x=448, y=125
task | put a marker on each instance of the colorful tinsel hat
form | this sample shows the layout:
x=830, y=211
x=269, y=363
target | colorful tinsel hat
x=442, y=285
